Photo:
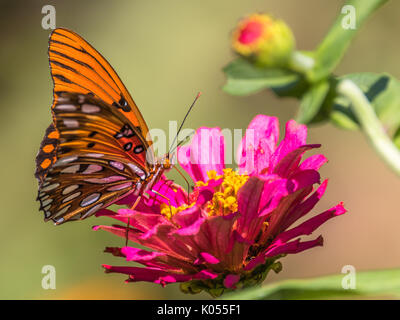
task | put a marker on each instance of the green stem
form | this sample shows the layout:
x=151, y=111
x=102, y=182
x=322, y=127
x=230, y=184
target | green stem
x=370, y=124
x=301, y=62
x=335, y=43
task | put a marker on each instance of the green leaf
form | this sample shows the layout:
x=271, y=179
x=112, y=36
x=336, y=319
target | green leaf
x=312, y=101
x=368, y=284
x=336, y=42
x=383, y=92
x=244, y=78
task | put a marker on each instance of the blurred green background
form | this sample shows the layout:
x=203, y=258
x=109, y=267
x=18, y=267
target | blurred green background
x=166, y=51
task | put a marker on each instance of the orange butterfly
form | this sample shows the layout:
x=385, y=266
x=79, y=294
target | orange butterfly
x=95, y=152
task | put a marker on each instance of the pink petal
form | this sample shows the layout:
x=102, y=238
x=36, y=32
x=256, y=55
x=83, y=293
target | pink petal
x=314, y=162
x=205, y=257
x=205, y=153
x=294, y=247
x=289, y=164
x=303, y=179
x=191, y=229
x=256, y=198
x=286, y=248
x=307, y=227
x=172, y=194
x=295, y=136
x=138, y=255
x=139, y=220
x=188, y=217
x=249, y=196
x=287, y=191
x=258, y=144
x=158, y=275
x=304, y=207
x=230, y=281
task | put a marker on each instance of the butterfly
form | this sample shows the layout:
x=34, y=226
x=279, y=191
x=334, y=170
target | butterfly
x=95, y=152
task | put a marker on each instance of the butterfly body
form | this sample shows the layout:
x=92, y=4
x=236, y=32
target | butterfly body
x=96, y=151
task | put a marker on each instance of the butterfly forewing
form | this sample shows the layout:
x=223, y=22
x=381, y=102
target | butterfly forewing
x=77, y=67
x=95, y=152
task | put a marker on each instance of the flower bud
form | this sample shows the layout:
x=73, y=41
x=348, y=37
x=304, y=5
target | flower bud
x=266, y=41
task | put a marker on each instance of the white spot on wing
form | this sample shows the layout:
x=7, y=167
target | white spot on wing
x=90, y=199
x=51, y=187
x=92, y=210
x=90, y=108
x=71, y=169
x=92, y=169
x=117, y=165
x=106, y=179
x=65, y=107
x=137, y=170
x=71, y=123
x=81, y=98
x=59, y=220
x=65, y=160
x=46, y=202
x=63, y=210
x=72, y=196
x=120, y=186
x=69, y=189
x=62, y=99
x=94, y=155
x=138, y=189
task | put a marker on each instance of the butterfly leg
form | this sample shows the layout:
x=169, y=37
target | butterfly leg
x=162, y=196
x=128, y=223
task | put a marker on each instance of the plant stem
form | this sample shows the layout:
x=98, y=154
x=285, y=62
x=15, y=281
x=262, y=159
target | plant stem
x=370, y=124
x=301, y=62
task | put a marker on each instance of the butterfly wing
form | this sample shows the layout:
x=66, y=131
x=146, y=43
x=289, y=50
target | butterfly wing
x=95, y=152
x=99, y=159
x=77, y=67
x=47, y=153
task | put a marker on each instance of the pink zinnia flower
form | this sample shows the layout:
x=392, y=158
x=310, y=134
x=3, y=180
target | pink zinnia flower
x=235, y=225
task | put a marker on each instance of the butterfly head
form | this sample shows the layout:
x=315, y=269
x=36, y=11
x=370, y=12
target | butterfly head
x=166, y=162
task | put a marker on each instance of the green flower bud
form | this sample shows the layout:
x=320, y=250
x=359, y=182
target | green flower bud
x=266, y=41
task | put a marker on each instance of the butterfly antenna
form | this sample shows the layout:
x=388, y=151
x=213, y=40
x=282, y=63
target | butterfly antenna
x=184, y=119
x=184, y=140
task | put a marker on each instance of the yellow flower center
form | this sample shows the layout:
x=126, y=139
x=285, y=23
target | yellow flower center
x=224, y=200
x=169, y=211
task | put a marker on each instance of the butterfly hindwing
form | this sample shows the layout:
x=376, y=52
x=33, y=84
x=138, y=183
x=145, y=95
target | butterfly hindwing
x=100, y=159
x=47, y=153
x=77, y=187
